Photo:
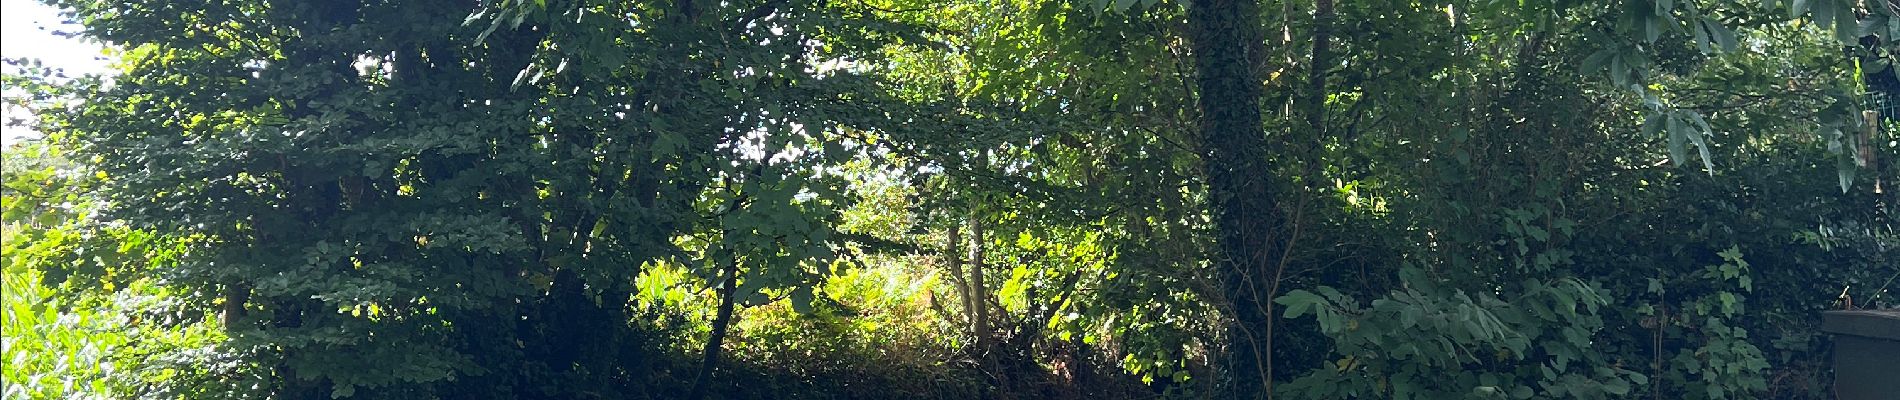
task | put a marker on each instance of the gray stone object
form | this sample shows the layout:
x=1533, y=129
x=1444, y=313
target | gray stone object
x=1866, y=353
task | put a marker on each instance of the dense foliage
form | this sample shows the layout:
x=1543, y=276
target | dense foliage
x=583, y=199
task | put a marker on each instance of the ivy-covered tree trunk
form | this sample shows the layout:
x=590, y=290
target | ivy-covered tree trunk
x=1226, y=39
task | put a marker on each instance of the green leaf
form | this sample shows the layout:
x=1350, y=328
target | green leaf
x=1724, y=37
x=1565, y=302
x=1298, y=302
x=1698, y=136
x=1874, y=24
x=1846, y=28
x=1678, y=140
x=1823, y=15
x=801, y=299
x=1616, y=386
x=1596, y=61
x=1654, y=124
x=1702, y=41
x=1730, y=254
x=1652, y=28
x=1845, y=169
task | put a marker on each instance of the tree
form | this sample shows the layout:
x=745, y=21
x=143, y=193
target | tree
x=590, y=198
x=1227, y=46
x=393, y=198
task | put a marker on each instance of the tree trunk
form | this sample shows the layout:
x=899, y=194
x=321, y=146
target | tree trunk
x=721, y=322
x=1316, y=70
x=986, y=344
x=1315, y=110
x=954, y=252
x=979, y=291
x=1226, y=41
x=235, y=296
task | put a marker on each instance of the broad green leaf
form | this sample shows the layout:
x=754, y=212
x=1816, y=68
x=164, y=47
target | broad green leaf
x=1298, y=302
x=1723, y=36
x=1678, y=133
x=801, y=299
